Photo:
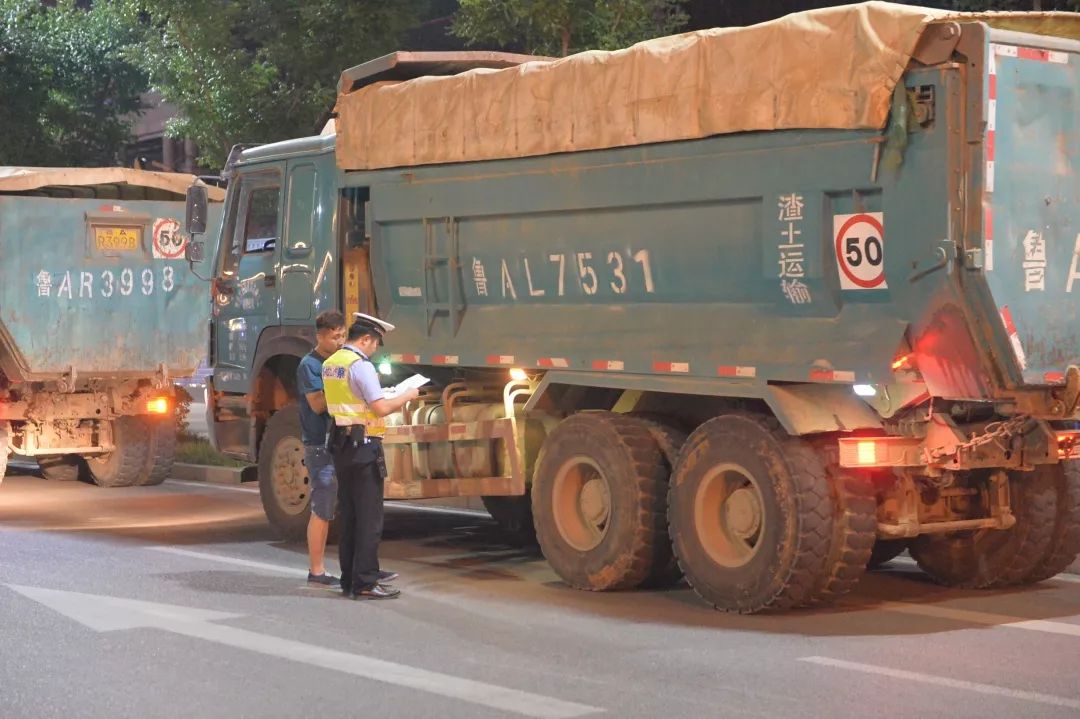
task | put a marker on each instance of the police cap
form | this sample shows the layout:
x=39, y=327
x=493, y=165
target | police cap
x=368, y=323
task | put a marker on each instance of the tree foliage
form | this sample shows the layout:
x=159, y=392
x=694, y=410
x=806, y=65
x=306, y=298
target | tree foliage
x=722, y=13
x=1043, y=5
x=261, y=70
x=559, y=27
x=265, y=70
x=66, y=92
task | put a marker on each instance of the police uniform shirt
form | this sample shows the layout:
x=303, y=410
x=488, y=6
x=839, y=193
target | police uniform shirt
x=363, y=379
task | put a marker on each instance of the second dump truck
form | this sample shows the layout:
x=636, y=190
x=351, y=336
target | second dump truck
x=98, y=314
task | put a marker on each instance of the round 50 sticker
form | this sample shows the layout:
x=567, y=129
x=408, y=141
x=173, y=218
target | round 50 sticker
x=169, y=240
x=860, y=250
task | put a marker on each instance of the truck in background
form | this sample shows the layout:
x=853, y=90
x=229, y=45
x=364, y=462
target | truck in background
x=762, y=360
x=98, y=312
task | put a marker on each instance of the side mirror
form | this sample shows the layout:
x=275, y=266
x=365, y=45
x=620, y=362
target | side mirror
x=194, y=252
x=195, y=213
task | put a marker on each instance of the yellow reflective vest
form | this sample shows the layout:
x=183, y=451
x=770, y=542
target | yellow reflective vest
x=347, y=408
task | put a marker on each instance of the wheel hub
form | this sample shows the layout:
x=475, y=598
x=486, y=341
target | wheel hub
x=581, y=503
x=289, y=476
x=729, y=515
x=594, y=502
x=743, y=512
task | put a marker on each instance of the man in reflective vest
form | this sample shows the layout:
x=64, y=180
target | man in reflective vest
x=355, y=399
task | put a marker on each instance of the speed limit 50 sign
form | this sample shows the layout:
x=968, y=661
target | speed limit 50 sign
x=860, y=250
x=169, y=242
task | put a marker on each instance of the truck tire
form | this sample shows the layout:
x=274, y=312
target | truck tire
x=1065, y=538
x=62, y=467
x=597, y=501
x=124, y=466
x=886, y=550
x=284, y=486
x=670, y=439
x=159, y=461
x=854, y=529
x=995, y=557
x=750, y=514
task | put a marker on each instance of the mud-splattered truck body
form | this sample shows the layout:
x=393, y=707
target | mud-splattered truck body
x=98, y=312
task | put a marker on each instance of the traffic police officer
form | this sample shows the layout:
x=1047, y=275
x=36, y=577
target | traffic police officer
x=356, y=401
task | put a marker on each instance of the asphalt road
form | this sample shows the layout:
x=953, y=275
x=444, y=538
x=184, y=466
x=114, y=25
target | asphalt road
x=175, y=601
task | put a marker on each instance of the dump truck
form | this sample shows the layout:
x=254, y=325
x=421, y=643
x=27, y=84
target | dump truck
x=692, y=314
x=98, y=313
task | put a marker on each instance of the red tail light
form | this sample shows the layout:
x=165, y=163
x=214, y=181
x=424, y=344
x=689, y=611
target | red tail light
x=1068, y=444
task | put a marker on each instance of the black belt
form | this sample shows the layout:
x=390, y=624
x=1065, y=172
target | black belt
x=353, y=434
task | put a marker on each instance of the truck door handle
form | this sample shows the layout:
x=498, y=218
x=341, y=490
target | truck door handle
x=945, y=254
x=270, y=280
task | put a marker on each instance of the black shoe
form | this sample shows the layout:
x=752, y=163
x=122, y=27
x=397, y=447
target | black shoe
x=387, y=577
x=323, y=580
x=376, y=592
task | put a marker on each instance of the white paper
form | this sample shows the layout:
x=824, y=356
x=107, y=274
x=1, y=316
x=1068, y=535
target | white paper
x=416, y=381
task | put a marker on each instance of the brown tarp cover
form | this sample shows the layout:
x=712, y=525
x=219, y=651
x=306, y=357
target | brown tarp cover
x=28, y=179
x=829, y=68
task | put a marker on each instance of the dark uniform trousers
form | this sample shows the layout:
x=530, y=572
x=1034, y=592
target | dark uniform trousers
x=360, y=512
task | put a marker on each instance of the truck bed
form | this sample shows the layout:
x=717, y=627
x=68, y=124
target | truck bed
x=99, y=287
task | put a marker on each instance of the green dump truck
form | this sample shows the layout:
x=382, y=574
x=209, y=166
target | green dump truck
x=689, y=313
x=98, y=313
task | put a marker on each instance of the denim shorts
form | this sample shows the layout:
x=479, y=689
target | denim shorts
x=320, y=467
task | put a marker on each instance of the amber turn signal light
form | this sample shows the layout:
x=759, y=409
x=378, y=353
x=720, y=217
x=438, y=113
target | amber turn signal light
x=158, y=405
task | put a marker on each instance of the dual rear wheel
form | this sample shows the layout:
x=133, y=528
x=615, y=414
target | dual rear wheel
x=758, y=520
x=1044, y=541
x=144, y=449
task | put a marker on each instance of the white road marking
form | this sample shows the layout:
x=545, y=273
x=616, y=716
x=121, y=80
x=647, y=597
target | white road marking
x=983, y=618
x=296, y=572
x=909, y=562
x=473, y=513
x=235, y=561
x=104, y=614
x=475, y=606
x=990, y=689
x=905, y=561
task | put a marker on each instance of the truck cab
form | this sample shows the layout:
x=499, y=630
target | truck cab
x=295, y=241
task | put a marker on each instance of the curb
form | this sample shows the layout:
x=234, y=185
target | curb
x=207, y=473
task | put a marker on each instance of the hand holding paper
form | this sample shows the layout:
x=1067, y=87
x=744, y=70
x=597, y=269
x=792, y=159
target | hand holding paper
x=415, y=382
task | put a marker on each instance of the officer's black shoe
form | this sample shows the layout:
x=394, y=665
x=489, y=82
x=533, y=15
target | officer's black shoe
x=376, y=592
x=387, y=577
